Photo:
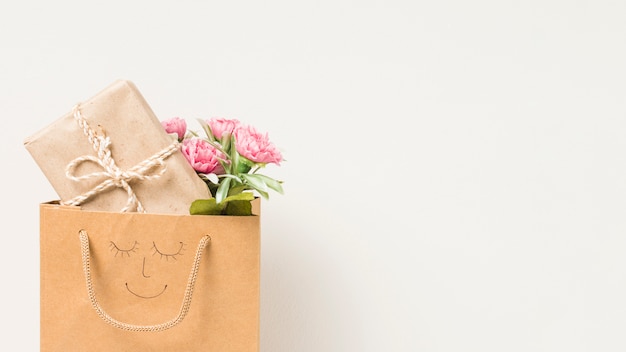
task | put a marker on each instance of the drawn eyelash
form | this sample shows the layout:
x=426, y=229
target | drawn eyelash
x=123, y=252
x=166, y=255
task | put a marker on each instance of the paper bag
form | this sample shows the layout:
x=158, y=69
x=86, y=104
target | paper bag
x=114, y=281
x=112, y=141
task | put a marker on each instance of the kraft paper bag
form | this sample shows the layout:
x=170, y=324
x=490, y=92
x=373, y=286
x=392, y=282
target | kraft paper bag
x=113, y=281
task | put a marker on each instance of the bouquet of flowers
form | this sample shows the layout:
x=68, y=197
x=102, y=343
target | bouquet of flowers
x=228, y=158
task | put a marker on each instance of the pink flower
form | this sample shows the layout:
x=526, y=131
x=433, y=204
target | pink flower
x=256, y=146
x=220, y=126
x=175, y=125
x=202, y=156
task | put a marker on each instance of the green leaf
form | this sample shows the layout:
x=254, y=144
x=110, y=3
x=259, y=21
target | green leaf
x=235, y=178
x=222, y=190
x=226, y=143
x=205, y=207
x=212, y=188
x=263, y=194
x=272, y=183
x=234, y=156
x=236, y=189
x=210, y=177
x=231, y=205
x=247, y=196
x=242, y=167
x=238, y=207
x=255, y=181
x=206, y=129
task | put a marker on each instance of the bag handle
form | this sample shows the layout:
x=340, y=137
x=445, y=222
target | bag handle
x=184, y=309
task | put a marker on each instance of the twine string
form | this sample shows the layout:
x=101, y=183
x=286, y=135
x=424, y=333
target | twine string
x=149, y=169
x=184, y=308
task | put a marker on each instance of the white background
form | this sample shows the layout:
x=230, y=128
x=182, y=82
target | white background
x=456, y=170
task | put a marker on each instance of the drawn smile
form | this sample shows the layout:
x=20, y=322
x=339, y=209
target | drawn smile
x=147, y=297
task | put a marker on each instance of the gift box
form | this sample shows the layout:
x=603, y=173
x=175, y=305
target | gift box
x=111, y=153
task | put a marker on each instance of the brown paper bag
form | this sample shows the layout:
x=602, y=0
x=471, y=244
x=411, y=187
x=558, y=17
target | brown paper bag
x=115, y=281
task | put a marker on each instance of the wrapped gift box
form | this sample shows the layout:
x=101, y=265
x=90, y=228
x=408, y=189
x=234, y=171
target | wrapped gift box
x=122, y=122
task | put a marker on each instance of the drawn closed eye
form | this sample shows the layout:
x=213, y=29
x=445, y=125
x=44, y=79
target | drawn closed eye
x=167, y=256
x=114, y=248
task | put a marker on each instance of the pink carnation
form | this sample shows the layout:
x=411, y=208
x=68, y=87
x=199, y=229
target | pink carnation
x=202, y=156
x=256, y=146
x=220, y=126
x=175, y=125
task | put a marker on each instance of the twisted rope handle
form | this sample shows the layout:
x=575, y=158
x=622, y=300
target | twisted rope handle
x=184, y=309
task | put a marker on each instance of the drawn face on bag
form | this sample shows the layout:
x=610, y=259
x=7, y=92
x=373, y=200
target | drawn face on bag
x=150, y=266
x=142, y=276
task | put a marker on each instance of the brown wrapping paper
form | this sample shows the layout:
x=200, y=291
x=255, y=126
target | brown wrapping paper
x=121, y=113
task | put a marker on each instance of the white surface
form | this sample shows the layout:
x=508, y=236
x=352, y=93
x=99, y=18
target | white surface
x=456, y=174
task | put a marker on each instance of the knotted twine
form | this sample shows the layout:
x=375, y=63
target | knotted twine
x=112, y=174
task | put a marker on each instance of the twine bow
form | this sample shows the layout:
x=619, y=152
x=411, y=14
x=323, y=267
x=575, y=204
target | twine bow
x=112, y=174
